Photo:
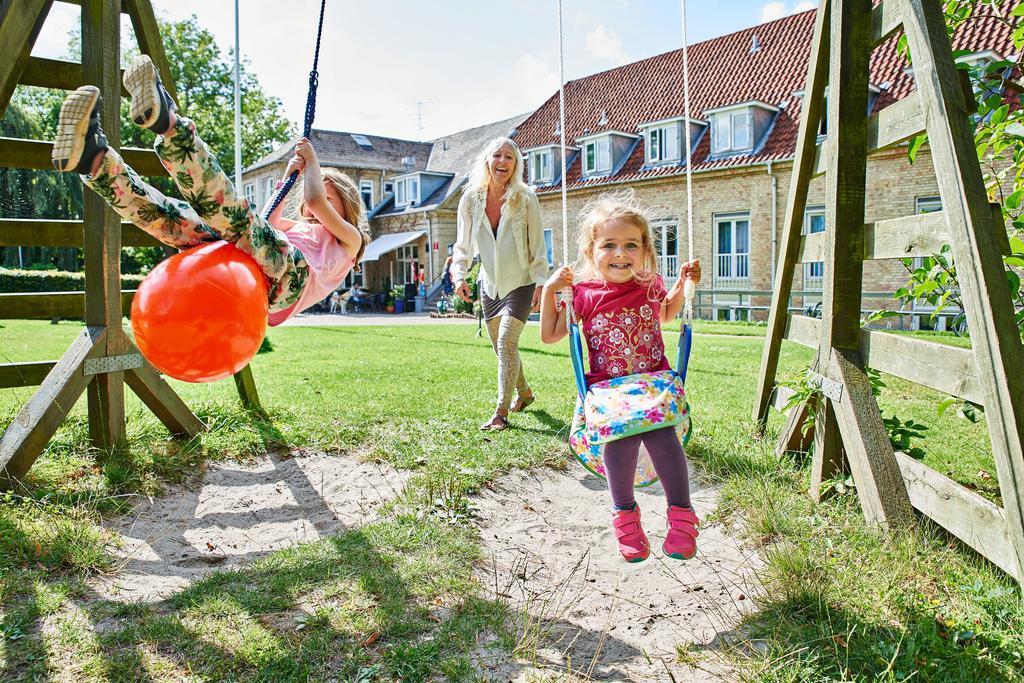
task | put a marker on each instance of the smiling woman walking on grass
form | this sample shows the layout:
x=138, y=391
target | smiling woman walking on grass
x=499, y=219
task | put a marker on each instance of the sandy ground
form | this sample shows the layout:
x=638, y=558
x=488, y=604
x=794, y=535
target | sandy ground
x=241, y=512
x=578, y=608
x=582, y=609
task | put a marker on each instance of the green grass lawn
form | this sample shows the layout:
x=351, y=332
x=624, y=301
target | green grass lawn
x=841, y=600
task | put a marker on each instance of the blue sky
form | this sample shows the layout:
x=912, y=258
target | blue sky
x=468, y=62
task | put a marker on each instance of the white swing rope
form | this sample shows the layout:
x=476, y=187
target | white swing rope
x=689, y=287
x=561, y=130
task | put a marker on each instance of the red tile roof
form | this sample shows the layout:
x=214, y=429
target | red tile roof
x=723, y=72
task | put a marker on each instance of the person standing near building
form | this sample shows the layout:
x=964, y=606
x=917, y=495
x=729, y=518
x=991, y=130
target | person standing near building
x=499, y=220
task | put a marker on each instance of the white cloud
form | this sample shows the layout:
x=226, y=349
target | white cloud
x=605, y=43
x=771, y=11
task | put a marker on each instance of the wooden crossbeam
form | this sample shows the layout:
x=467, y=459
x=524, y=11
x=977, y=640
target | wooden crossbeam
x=897, y=123
x=20, y=23
x=976, y=521
x=24, y=374
x=949, y=369
x=31, y=430
x=50, y=305
x=57, y=74
x=45, y=232
x=886, y=19
x=35, y=154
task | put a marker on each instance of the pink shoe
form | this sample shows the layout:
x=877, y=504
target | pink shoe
x=633, y=543
x=681, y=539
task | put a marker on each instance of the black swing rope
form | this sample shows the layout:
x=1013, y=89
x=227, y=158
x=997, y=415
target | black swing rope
x=307, y=127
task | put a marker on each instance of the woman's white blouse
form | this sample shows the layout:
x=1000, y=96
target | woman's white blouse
x=501, y=270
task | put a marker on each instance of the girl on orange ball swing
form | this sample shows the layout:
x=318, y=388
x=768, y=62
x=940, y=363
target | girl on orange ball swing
x=302, y=261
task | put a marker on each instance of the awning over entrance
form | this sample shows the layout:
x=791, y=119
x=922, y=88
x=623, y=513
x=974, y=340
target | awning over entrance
x=387, y=243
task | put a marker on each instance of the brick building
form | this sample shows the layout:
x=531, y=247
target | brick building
x=625, y=128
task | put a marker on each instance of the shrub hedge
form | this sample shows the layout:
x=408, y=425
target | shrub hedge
x=16, y=281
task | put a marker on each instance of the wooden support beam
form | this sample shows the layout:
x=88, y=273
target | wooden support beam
x=245, y=383
x=50, y=305
x=880, y=487
x=35, y=154
x=27, y=435
x=976, y=521
x=789, y=245
x=886, y=19
x=24, y=374
x=44, y=232
x=828, y=460
x=949, y=369
x=894, y=238
x=984, y=290
x=57, y=74
x=158, y=396
x=20, y=23
x=147, y=32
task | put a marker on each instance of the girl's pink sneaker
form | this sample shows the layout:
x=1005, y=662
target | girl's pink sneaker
x=681, y=539
x=633, y=543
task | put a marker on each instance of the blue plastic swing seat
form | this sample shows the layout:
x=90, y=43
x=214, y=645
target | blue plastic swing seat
x=616, y=408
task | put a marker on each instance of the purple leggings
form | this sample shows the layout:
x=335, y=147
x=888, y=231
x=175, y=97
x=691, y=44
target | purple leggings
x=669, y=461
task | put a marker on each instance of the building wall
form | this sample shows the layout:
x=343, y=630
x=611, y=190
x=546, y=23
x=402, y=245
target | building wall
x=274, y=172
x=894, y=185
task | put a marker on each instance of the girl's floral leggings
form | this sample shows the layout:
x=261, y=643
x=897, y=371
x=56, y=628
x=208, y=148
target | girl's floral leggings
x=212, y=211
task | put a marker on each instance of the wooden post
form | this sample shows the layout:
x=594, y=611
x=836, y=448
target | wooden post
x=101, y=50
x=976, y=247
x=20, y=23
x=803, y=167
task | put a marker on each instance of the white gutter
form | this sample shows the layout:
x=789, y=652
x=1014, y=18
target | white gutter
x=775, y=192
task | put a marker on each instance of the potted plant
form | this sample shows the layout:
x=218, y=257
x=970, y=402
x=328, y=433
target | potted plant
x=398, y=296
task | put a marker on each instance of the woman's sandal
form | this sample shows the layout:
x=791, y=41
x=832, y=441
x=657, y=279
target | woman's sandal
x=522, y=402
x=497, y=423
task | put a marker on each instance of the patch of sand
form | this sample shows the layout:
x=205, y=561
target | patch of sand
x=240, y=512
x=582, y=609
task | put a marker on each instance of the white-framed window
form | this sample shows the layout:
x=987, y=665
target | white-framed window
x=732, y=250
x=405, y=264
x=814, y=222
x=250, y=194
x=542, y=166
x=549, y=245
x=731, y=131
x=407, y=191
x=268, y=190
x=366, y=192
x=731, y=307
x=597, y=156
x=389, y=187
x=663, y=144
x=666, y=248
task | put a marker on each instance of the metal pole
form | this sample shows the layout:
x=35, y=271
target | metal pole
x=238, y=107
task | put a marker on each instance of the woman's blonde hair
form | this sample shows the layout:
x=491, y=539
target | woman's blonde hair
x=480, y=176
x=623, y=206
x=353, y=210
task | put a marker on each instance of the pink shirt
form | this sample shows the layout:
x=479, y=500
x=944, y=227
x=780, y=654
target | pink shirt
x=328, y=261
x=622, y=325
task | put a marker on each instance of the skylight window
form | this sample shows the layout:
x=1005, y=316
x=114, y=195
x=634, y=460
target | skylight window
x=362, y=140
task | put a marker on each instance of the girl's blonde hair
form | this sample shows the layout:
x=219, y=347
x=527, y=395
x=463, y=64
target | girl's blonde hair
x=480, y=176
x=623, y=206
x=353, y=210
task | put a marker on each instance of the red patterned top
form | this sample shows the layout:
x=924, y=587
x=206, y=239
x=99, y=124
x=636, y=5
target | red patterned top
x=622, y=325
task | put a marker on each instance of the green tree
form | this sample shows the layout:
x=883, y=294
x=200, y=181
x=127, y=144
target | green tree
x=204, y=80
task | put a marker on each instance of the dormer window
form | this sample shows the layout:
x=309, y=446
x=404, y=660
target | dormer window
x=542, y=166
x=740, y=128
x=597, y=156
x=663, y=144
x=407, y=191
x=731, y=132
